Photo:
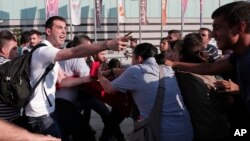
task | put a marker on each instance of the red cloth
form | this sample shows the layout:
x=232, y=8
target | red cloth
x=123, y=102
x=94, y=69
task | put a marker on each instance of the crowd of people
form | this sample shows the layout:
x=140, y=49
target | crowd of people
x=206, y=94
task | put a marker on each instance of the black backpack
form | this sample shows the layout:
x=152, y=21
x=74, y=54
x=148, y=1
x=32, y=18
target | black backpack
x=15, y=88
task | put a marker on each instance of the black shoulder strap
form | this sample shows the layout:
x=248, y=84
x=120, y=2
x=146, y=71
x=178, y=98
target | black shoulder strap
x=50, y=67
x=155, y=113
x=47, y=70
x=37, y=46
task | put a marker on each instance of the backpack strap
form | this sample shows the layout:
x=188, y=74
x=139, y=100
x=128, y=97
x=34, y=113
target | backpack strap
x=37, y=46
x=47, y=70
x=50, y=67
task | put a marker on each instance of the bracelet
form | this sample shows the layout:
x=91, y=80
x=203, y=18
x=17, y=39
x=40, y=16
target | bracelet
x=106, y=46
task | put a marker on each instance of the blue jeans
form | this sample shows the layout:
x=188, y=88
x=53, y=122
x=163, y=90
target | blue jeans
x=45, y=124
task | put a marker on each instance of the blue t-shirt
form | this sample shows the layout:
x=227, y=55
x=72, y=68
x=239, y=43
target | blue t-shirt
x=142, y=82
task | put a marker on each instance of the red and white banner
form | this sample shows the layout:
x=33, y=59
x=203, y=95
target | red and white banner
x=98, y=10
x=121, y=13
x=75, y=11
x=163, y=12
x=51, y=8
x=184, y=6
x=143, y=12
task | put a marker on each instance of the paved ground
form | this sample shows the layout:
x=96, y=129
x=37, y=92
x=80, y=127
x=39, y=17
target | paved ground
x=96, y=123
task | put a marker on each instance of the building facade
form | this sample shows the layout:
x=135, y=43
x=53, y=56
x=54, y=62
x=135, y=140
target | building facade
x=30, y=14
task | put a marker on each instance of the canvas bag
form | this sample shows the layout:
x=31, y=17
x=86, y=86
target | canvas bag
x=149, y=129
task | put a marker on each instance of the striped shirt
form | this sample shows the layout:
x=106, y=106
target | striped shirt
x=212, y=51
x=7, y=112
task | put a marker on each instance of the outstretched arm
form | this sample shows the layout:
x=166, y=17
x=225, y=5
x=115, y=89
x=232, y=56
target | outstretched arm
x=202, y=68
x=84, y=50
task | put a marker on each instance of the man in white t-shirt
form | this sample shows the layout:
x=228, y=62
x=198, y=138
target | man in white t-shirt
x=69, y=117
x=8, y=51
x=42, y=104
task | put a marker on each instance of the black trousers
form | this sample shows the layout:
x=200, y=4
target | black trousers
x=111, y=119
x=71, y=122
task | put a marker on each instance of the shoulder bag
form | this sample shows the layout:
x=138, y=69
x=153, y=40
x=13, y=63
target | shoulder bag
x=149, y=129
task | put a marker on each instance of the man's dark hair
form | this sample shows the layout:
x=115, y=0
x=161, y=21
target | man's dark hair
x=133, y=40
x=192, y=42
x=25, y=37
x=69, y=44
x=192, y=49
x=176, y=32
x=114, y=63
x=163, y=39
x=208, y=30
x=235, y=13
x=145, y=50
x=49, y=22
x=6, y=35
x=78, y=37
x=33, y=31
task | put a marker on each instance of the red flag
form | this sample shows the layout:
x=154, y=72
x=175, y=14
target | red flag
x=143, y=12
x=184, y=6
x=98, y=8
x=51, y=8
x=163, y=12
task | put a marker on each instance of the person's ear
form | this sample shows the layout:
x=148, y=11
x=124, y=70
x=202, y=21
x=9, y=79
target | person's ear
x=4, y=50
x=48, y=31
x=242, y=27
x=140, y=59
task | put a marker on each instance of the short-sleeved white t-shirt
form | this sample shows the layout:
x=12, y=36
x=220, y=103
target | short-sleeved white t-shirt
x=73, y=67
x=41, y=59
